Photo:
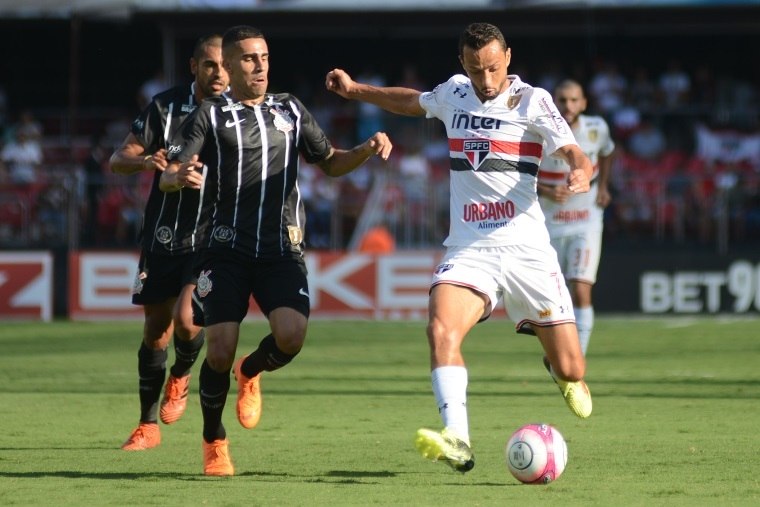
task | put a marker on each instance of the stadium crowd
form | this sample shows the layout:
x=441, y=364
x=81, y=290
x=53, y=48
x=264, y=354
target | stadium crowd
x=687, y=168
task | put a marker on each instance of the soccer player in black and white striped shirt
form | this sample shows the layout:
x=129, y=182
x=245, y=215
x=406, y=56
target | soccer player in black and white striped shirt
x=171, y=226
x=242, y=152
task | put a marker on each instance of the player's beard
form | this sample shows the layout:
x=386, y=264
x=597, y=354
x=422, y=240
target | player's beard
x=257, y=88
x=498, y=91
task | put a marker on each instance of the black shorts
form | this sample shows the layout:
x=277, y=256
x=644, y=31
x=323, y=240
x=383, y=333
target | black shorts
x=226, y=284
x=161, y=277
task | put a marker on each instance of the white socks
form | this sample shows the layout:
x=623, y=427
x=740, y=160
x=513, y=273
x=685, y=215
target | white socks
x=584, y=321
x=450, y=390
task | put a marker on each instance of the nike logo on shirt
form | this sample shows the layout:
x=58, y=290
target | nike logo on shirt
x=231, y=123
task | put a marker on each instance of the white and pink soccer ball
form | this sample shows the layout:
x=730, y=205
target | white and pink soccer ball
x=536, y=454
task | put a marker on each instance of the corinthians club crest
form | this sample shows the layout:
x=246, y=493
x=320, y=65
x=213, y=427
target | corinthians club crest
x=282, y=120
x=204, y=284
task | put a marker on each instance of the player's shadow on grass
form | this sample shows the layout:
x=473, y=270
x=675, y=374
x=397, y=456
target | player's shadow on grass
x=94, y=475
x=358, y=474
x=356, y=477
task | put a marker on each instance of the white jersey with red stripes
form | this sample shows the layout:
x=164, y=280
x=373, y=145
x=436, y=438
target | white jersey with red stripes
x=580, y=211
x=495, y=148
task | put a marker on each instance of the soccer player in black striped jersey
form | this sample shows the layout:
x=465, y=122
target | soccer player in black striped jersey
x=242, y=152
x=169, y=239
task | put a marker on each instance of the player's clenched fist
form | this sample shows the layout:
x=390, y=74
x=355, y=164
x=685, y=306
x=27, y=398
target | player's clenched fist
x=340, y=82
x=578, y=181
x=380, y=145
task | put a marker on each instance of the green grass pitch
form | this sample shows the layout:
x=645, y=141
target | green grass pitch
x=676, y=419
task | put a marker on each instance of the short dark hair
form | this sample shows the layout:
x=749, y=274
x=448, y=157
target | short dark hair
x=240, y=32
x=207, y=40
x=568, y=83
x=478, y=35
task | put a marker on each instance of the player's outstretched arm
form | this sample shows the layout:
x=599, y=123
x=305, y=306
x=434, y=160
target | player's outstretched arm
x=396, y=99
x=181, y=175
x=341, y=162
x=130, y=158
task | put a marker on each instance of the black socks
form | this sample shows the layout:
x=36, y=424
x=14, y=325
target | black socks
x=213, y=390
x=151, y=367
x=185, y=353
x=265, y=358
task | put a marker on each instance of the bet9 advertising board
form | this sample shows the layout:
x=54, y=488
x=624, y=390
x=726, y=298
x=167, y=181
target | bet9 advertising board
x=98, y=285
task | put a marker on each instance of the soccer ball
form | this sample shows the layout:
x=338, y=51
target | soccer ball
x=536, y=454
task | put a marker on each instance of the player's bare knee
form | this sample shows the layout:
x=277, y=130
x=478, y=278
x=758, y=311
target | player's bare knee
x=439, y=336
x=569, y=368
x=292, y=342
x=219, y=357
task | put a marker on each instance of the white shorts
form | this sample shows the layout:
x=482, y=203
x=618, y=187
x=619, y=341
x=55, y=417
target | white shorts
x=579, y=255
x=528, y=279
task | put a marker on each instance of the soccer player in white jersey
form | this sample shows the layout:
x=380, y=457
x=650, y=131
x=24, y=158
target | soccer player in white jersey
x=575, y=221
x=498, y=246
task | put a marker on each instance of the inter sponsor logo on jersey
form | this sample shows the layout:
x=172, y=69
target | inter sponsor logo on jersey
x=476, y=151
x=187, y=108
x=469, y=122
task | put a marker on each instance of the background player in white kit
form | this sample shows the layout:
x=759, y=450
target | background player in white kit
x=498, y=246
x=574, y=221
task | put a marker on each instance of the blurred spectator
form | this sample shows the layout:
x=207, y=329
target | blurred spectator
x=436, y=148
x=739, y=103
x=551, y=73
x=625, y=120
x=642, y=93
x=120, y=212
x=703, y=89
x=674, y=85
x=22, y=156
x=414, y=169
x=30, y=125
x=648, y=141
x=154, y=85
x=52, y=202
x=319, y=194
x=370, y=117
x=410, y=78
x=607, y=88
x=95, y=171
